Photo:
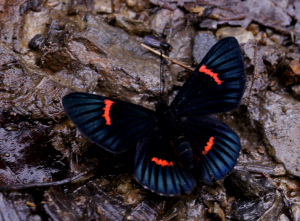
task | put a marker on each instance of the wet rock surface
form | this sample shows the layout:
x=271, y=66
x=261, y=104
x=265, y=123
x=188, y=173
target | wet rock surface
x=51, y=48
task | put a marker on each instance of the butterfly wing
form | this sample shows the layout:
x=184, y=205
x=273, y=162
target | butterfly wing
x=157, y=167
x=217, y=84
x=112, y=124
x=216, y=147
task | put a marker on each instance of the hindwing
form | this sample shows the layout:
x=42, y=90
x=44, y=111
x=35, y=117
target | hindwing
x=216, y=147
x=157, y=167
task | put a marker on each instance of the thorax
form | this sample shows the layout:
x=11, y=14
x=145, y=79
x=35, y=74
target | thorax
x=166, y=118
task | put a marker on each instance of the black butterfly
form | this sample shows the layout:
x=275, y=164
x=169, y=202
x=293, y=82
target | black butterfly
x=156, y=43
x=179, y=144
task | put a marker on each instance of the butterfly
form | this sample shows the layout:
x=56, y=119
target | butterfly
x=156, y=43
x=176, y=145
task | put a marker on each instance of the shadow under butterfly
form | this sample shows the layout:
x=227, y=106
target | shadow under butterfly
x=176, y=145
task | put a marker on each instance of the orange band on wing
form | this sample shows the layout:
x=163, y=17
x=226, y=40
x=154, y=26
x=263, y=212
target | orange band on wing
x=107, y=108
x=209, y=72
x=209, y=146
x=162, y=163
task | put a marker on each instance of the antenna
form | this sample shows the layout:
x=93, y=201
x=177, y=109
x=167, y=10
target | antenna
x=164, y=47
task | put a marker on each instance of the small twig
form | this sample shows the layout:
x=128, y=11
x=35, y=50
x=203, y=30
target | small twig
x=79, y=177
x=285, y=10
x=166, y=57
x=228, y=19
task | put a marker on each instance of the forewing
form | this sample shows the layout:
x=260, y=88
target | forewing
x=217, y=84
x=112, y=124
x=216, y=147
x=157, y=167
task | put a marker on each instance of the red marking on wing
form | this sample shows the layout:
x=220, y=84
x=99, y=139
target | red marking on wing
x=162, y=163
x=209, y=72
x=209, y=146
x=107, y=108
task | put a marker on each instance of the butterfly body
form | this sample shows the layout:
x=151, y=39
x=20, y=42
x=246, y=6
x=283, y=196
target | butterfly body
x=165, y=118
x=179, y=144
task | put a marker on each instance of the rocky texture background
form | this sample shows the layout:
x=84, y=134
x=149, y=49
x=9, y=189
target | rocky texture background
x=50, y=48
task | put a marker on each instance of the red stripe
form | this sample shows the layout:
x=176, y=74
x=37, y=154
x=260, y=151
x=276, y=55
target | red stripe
x=107, y=109
x=162, y=163
x=209, y=146
x=209, y=72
